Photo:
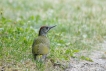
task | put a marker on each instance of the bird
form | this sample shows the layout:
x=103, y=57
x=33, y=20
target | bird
x=41, y=44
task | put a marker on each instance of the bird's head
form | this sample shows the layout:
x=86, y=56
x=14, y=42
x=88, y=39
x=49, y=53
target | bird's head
x=44, y=30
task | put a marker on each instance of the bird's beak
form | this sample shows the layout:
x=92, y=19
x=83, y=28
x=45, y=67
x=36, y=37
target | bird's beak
x=52, y=27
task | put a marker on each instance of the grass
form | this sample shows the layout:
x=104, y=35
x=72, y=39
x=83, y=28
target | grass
x=80, y=25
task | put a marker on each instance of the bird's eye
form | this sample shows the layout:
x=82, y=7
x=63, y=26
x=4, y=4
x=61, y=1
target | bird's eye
x=47, y=28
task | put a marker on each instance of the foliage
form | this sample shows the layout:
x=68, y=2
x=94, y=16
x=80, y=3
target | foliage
x=80, y=24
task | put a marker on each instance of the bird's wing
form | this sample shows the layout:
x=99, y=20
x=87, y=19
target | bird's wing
x=40, y=49
x=33, y=45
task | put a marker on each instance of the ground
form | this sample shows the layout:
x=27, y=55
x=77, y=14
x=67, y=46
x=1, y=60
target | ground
x=99, y=60
x=98, y=63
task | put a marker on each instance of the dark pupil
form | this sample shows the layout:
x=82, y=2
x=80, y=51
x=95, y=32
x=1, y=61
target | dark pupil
x=46, y=27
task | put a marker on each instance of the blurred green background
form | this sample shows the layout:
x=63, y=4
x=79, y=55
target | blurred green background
x=80, y=25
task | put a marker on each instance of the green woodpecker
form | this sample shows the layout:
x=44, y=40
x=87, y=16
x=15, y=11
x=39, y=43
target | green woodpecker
x=41, y=45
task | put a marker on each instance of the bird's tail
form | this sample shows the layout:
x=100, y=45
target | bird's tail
x=34, y=56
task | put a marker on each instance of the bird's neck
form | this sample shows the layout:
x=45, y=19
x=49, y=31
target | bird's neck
x=42, y=34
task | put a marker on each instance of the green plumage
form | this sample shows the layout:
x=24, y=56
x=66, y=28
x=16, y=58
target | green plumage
x=40, y=47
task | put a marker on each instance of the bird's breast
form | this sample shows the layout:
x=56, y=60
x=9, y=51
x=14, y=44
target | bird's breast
x=44, y=40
